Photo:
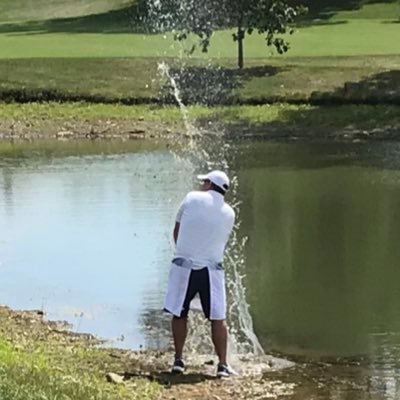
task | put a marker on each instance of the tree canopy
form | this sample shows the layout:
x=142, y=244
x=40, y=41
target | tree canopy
x=272, y=18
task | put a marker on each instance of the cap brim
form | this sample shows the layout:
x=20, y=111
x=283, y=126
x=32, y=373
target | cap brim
x=202, y=177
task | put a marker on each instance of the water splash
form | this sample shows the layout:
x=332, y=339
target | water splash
x=163, y=68
x=210, y=150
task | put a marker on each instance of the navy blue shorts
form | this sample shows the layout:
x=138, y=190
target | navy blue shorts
x=199, y=283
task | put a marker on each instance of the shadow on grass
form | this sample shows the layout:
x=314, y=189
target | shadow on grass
x=125, y=20
x=212, y=85
x=368, y=109
x=319, y=11
x=136, y=19
x=167, y=379
x=43, y=95
x=380, y=88
x=319, y=22
x=220, y=85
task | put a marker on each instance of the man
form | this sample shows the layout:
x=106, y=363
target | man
x=203, y=225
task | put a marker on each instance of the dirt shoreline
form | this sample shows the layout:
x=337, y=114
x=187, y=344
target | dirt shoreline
x=63, y=130
x=29, y=329
x=126, y=130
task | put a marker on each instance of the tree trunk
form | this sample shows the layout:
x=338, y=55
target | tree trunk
x=240, y=39
x=240, y=48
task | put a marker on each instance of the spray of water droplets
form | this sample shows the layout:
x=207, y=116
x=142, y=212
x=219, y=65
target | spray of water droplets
x=200, y=151
x=206, y=151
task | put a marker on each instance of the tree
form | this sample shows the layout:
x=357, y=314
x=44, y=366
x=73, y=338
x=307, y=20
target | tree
x=271, y=18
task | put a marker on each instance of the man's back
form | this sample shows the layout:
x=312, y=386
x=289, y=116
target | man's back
x=206, y=222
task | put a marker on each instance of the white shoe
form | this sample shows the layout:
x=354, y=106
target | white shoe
x=178, y=367
x=225, y=371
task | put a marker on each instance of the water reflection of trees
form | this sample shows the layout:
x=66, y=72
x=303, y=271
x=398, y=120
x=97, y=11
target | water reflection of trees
x=7, y=185
x=322, y=254
x=344, y=381
x=156, y=328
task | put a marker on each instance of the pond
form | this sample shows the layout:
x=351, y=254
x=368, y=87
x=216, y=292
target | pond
x=88, y=238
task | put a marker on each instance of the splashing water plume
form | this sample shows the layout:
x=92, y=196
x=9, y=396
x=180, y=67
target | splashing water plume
x=190, y=128
x=203, y=150
x=209, y=150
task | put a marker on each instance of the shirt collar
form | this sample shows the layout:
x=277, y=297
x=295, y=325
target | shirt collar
x=216, y=194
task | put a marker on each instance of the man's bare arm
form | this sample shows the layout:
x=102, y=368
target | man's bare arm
x=176, y=231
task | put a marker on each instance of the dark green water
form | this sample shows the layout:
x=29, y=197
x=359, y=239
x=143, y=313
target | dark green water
x=323, y=252
x=88, y=238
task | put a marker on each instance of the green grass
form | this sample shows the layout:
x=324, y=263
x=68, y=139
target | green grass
x=96, y=55
x=277, y=121
x=85, y=111
x=39, y=10
x=38, y=362
x=54, y=111
x=298, y=78
x=358, y=37
x=289, y=78
x=27, y=10
x=352, y=38
x=103, y=29
x=380, y=10
x=303, y=116
x=112, y=78
x=33, y=373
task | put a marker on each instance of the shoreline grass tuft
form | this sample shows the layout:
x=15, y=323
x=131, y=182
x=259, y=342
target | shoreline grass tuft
x=32, y=370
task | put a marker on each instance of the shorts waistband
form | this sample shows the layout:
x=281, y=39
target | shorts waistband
x=186, y=263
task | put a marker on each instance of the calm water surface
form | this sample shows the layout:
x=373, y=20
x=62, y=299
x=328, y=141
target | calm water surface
x=88, y=239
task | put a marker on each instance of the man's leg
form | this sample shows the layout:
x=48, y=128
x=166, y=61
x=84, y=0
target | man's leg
x=219, y=330
x=179, y=324
x=179, y=332
x=219, y=333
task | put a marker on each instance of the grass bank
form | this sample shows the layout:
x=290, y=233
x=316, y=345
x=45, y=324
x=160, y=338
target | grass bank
x=23, y=10
x=343, y=56
x=350, y=79
x=98, y=30
x=358, y=37
x=41, y=361
x=91, y=61
x=275, y=121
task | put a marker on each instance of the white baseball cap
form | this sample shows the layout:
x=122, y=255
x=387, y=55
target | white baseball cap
x=218, y=178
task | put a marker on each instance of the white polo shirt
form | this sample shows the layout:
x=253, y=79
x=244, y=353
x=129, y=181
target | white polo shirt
x=206, y=222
